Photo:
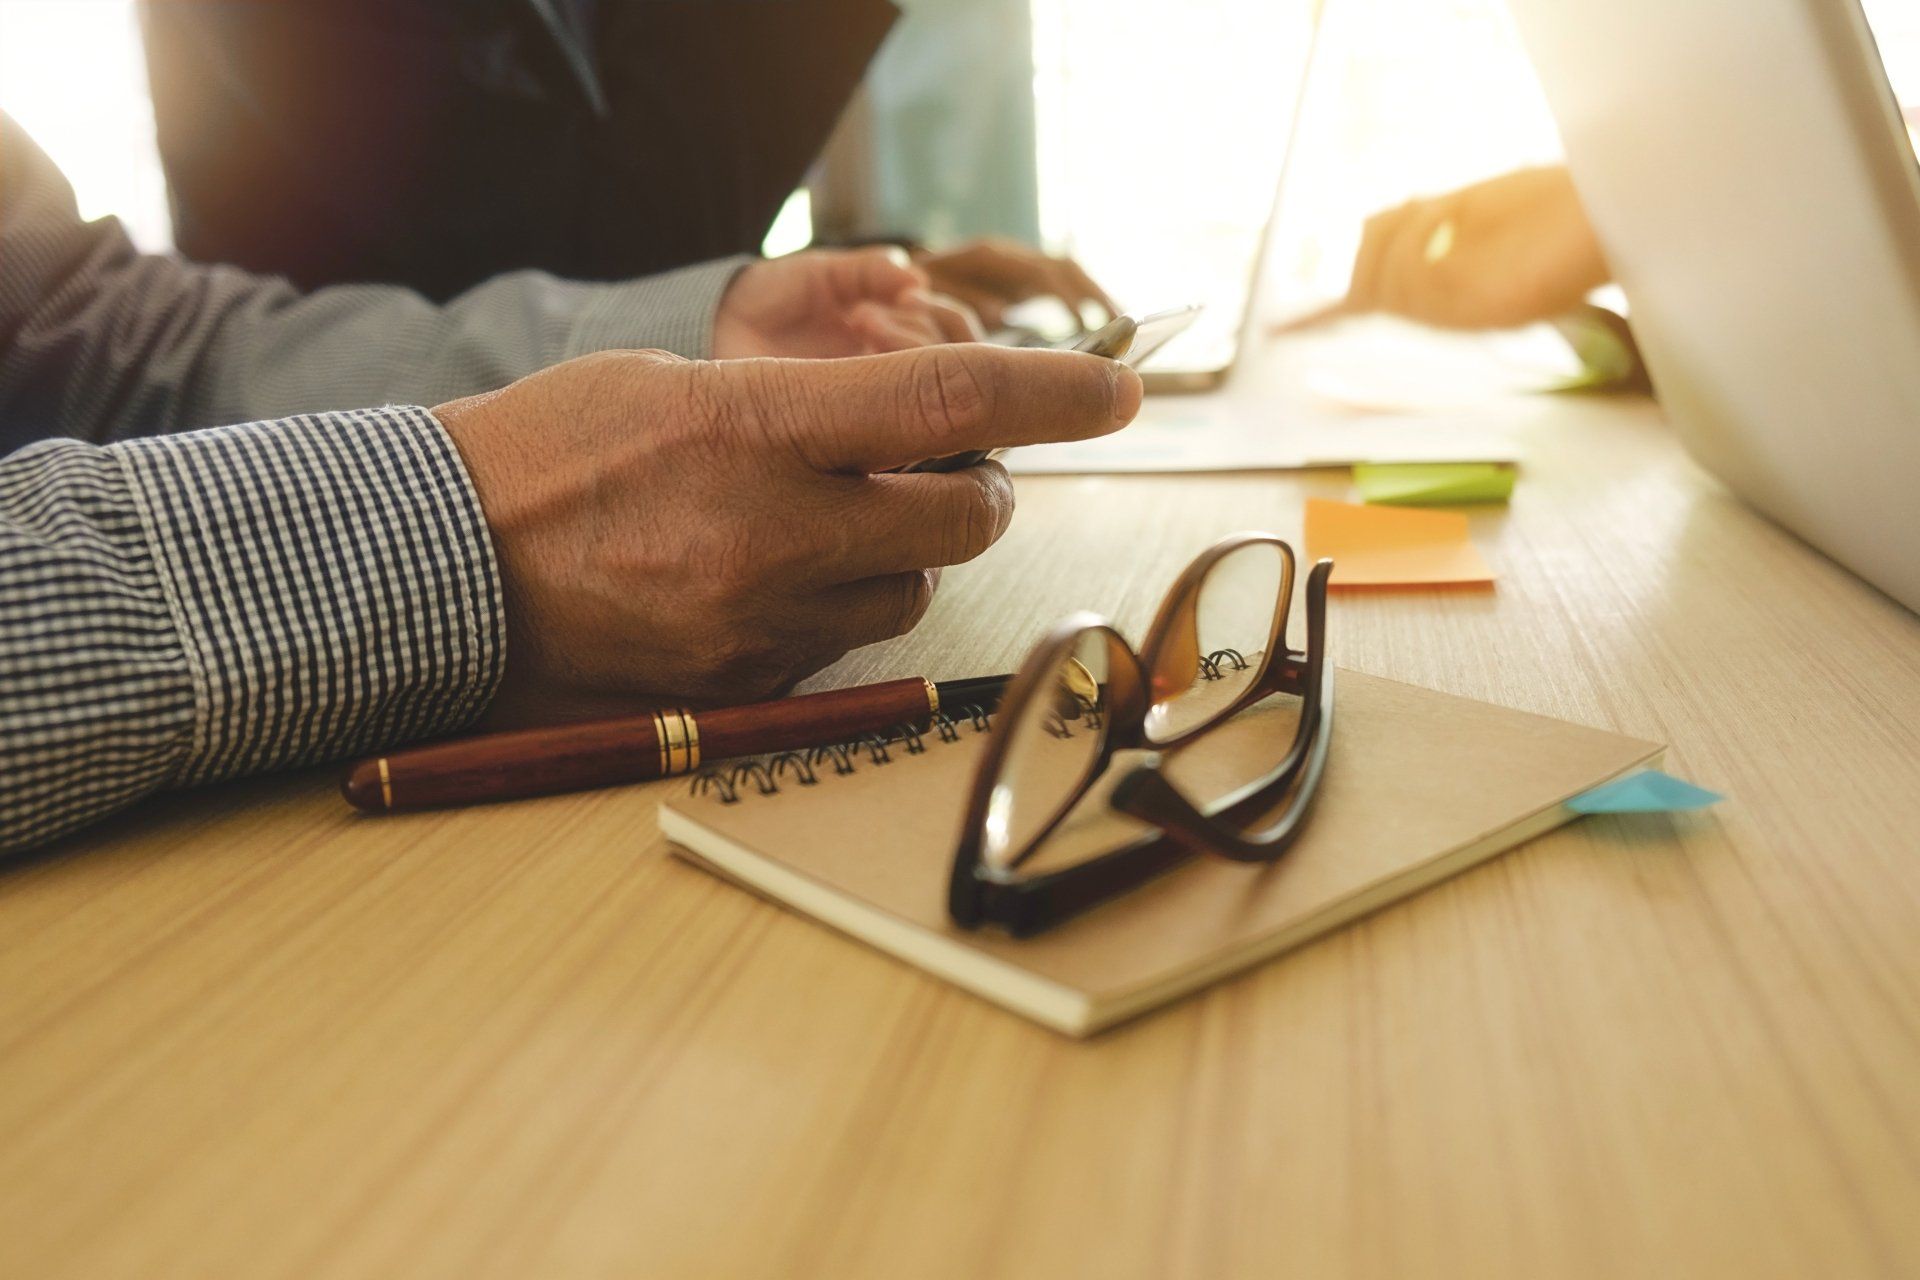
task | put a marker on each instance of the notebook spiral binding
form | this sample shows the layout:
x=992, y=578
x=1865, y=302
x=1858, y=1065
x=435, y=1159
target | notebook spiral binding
x=1221, y=661
x=766, y=774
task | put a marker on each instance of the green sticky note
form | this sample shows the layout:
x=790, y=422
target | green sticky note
x=1585, y=380
x=1607, y=363
x=1649, y=792
x=1417, y=484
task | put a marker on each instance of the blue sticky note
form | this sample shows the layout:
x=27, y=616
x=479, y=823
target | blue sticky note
x=1649, y=792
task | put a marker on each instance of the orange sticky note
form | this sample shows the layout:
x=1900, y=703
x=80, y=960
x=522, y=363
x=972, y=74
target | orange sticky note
x=1393, y=546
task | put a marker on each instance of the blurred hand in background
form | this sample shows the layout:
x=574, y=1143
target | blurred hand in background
x=989, y=275
x=824, y=303
x=1501, y=253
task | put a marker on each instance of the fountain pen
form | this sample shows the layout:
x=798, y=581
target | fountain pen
x=656, y=744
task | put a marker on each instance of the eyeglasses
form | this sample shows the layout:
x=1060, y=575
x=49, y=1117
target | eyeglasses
x=1039, y=842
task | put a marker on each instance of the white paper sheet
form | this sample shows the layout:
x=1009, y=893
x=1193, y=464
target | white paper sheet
x=1363, y=391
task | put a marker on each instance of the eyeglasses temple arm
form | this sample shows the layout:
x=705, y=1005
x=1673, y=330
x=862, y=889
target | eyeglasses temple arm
x=1146, y=794
x=1037, y=904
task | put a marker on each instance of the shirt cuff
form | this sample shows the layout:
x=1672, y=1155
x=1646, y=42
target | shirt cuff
x=332, y=580
x=673, y=312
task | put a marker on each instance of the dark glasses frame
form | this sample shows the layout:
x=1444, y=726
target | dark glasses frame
x=1167, y=663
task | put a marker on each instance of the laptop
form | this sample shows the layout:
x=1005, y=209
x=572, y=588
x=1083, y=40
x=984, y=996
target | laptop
x=1750, y=176
x=1163, y=162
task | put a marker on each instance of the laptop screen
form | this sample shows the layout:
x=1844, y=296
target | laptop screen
x=1161, y=131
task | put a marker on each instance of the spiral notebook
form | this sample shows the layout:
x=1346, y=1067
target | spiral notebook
x=1419, y=786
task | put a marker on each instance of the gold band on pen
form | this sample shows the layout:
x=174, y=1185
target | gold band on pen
x=689, y=742
x=679, y=738
x=1079, y=682
x=933, y=697
x=676, y=739
x=386, y=784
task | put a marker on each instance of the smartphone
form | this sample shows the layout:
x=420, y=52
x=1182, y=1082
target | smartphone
x=1150, y=333
x=1130, y=340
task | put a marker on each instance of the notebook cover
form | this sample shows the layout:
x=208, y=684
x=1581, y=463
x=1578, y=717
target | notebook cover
x=1418, y=785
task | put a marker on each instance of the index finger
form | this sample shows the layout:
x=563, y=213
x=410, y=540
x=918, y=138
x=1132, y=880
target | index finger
x=877, y=271
x=1376, y=238
x=1087, y=287
x=875, y=413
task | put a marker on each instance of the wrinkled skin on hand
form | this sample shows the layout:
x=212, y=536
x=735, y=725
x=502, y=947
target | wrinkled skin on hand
x=712, y=532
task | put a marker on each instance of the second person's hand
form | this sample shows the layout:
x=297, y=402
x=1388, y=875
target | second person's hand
x=1497, y=254
x=993, y=273
x=713, y=532
x=823, y=303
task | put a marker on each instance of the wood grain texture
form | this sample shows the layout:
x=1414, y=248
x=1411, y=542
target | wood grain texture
x=246, y=1032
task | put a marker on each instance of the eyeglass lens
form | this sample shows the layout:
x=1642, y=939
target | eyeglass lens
x=1053, y=747
x=1218, y=646
x=1218, y=642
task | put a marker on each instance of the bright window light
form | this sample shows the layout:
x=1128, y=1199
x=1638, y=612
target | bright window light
x=72, y=74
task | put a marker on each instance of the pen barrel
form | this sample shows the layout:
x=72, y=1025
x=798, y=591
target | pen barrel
x=603, y=753
x=816, y=719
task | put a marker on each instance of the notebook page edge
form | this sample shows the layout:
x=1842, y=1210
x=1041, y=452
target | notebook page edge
x=1112, y=1010
x=999, y=982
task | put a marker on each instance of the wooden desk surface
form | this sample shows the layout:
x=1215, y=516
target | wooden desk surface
x=245, y=1033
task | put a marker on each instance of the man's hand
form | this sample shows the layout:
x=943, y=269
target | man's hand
x=823, y=303
x=1498, y=254
x=713, y=532
x=991, y=275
